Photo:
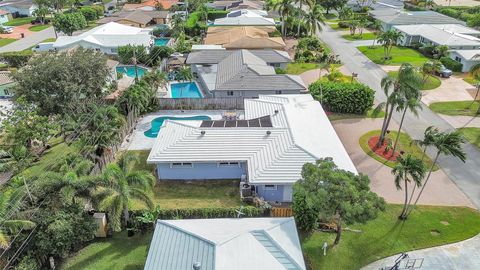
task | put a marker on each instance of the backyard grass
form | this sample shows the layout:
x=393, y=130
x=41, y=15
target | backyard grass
x=6, y=41
x=364, y=36
x=427, y=226
x=40, y=27
x=19, y=21
x=432, y=81
x=299, y=68
x=341, y=116
x=404, y=143
x=472, y=135
x=399, y=55
x=465, y=108
x=119, y=252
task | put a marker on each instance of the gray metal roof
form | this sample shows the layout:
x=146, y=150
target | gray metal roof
x=215, y=56
x=401, y=17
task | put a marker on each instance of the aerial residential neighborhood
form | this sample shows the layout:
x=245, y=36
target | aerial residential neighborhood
x=243, y=134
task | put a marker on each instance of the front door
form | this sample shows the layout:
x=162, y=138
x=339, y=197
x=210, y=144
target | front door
x=287, y=193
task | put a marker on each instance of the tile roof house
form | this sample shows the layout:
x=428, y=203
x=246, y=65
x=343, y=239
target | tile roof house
x=391, y=17
x=243, y=38
x=150, y=5
x=273, y=58
x=238, y=4
x=243, y=73
x=106, y=38
x=233, y=244
x=266, y=151
x=137, y=18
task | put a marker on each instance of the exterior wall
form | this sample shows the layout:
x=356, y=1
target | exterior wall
x=130, y=23
x=467, y=64
x=281, y=193
x=21, y=11
x=251, y=94
x=3, y=18
x=201, y=171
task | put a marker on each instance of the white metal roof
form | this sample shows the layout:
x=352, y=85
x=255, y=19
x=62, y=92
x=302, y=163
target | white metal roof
x=111, y=34
x=469, y=54
x=301, y=133
x=438, y=35
x=234, y=244
x=245, y=20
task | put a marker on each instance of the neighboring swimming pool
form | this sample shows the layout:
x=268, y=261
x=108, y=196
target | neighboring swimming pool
x=161, y=41
x=158, y=122
x=185, y=90
x=130, y=71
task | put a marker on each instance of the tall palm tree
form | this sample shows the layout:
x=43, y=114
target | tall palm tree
x=446, y=143
x=10, y=200
x=429, y=136
x=301, y=13
x=408, y=169
x=376, y=28
x=284, y=8
x=412, y=104
x=178, y=24
x=314, y=19
x=203, y=11
x=121, y=184
x=388, y=39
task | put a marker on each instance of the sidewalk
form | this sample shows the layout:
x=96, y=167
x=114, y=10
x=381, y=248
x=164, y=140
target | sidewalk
x=458, y=256
x=29, y=41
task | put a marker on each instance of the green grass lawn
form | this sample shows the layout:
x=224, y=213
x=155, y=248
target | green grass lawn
x=399, y=55
x=364, y=36
x=19, y=21
x=40, y=27
x=472, y=135
x=404, y=143
x=299, y=68
x=335, y=26
x=471, y=80
x=119, y=252
x=428, y=226
x=466, y=108
x=182, y=194
x=6, y=41
x=432, y=81
x=48, y=40
x=341, y=116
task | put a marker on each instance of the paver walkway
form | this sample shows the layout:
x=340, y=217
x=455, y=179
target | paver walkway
x=29, y=41
x=311, y=76
x=439, y=191
x=458, y=256
x=465, y=175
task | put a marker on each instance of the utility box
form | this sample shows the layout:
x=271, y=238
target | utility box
x=101, y=220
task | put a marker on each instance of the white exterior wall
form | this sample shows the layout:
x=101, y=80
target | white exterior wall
x=21, y=11
x=467, y=64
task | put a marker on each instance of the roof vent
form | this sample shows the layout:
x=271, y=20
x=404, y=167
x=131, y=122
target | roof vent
x=202, y=132
x=197, y=266
x=269, y=132
x=276, y=111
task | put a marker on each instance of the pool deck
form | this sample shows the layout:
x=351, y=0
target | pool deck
x=138, y=141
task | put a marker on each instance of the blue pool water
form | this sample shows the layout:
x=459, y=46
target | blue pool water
x=130, y=71
x=158, y=122
x=185, y=90
x=161, y=41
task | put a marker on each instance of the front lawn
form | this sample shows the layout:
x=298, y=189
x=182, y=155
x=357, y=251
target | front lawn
x=6, y=41
x=428, y=226
x=399, y=55
x=432, y=81
x=472, y=134
x=299, y=68
x=58, y=150
x=364, y=36
x=39, y=27
x=341, y=116
x=404, y=143
x=119, y=252
x=465, y=108
x=19, y=21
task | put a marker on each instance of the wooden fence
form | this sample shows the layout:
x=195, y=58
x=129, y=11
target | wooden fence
x=201, y=103
x=281, y=212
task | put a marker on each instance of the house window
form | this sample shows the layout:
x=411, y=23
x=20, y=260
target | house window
x=113, y=50
x=228, y=164
x=458, y=59
x=278, y=92
x=230, y=93
x=181, y=165
x=270, y=187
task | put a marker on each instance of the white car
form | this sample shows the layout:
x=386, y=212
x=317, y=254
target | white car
x=8, y=29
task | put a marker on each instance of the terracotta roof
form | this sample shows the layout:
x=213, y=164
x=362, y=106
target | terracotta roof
x=244, y=38
x=137, y=16
x=5, y=77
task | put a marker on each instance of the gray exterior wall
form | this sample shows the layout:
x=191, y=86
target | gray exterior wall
x=281, y=193
x=201, y=171
x=251, y=93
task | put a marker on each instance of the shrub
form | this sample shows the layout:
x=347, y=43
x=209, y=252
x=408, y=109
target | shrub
x=280, y=71
x=474, y=21
x=343, y=97
x=343, y=24
x=89, y=13
x=309, y=49
x=451, y=64
x=214, y=212
x=16, y=59
x=100, y=9
x=157, y=53
x=125, y=54
x=450, y=12
x=216, y=14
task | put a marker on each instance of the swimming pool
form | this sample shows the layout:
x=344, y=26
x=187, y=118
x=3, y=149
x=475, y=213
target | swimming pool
x=130, y=71
x=158, y=122
x=161, y=41
x=185, y=90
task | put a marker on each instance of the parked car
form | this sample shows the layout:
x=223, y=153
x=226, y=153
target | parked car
x=444, y=72
x=43, y=47
x=7, y=29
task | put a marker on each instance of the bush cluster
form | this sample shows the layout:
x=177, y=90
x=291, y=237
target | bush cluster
x=16, y=59
x=471, y=15
x=343, y=97
x=451, y=64
x=309, y=50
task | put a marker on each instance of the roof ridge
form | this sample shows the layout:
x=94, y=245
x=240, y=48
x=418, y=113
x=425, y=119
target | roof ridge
x=186, y=232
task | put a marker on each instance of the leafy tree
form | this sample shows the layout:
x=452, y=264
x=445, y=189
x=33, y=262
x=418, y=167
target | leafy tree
x=41, y=12
x=408, y=169
x=203, y=11
x=158, y=53
x=345, y=13
x=69, y=22
x=474, y=21
x=182, y=45
x=389, y=39
x=122, y=183
x=89, y=13
x=178, y=25
x=314, y=19
x=15, y=158
x=327, y=193
x=332, y=4
x=129, y=54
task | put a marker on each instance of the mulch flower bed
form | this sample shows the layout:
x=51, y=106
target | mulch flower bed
x=382, y=150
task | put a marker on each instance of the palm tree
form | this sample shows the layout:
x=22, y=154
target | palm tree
x=10, y=200
x=345, y=13
x=301, y=13
x=446, y=143
x=388, y=39
x=284, y=8
x=185, y=74
x=121, y=184
x=314, y=19
x=412, y=104
x=429, y=136
x=178, y=25
x=203, y=11
x=408, y=169
x=376, y=28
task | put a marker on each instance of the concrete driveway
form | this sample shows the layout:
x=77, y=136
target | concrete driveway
x=439, y=191
x=458, y=256
x=470, y=3
x=18, y=31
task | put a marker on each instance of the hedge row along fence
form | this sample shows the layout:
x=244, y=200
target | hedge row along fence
x=343, y=97
x=191, y=213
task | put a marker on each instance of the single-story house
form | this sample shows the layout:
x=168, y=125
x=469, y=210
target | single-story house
x=248, y=37
x=244, y=74
x=375, y=4
x=19, y=7
x=247, y=13
x=234, y=5
x=468, y=58
x=6, y=83
x=266, y=151
x=137, y=18
x=245, y=19
x=439, y=34
x=390, y=17
x=4, y=16
x=107, y=38
x=274, y=58
x=233, y=244
x=150, y=5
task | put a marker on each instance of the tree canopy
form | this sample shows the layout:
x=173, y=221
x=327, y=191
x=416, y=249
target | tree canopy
x=69, y=22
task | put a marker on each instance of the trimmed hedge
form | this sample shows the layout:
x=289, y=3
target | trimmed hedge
x=451, y=64
x=16, y=59
x=217, y=14
x=229, y=212
x=343, y=97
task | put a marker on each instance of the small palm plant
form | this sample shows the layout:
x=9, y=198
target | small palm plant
x=9, y=203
